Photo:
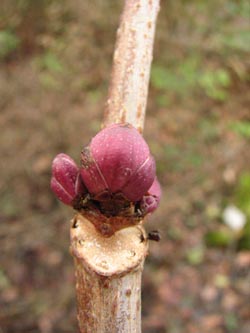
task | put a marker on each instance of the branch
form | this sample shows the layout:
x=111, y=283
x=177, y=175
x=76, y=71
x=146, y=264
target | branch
x=108, y=269
x=131, y=64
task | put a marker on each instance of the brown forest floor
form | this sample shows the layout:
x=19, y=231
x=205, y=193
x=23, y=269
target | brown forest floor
x=53, y=86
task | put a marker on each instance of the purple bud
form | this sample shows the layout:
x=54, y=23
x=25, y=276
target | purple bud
x=118, y=160
x=151, y=200
x=66, y=182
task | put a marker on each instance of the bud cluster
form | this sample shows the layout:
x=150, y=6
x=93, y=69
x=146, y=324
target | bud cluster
x=116, y=175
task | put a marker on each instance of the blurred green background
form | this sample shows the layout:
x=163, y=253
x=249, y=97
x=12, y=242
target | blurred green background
x=55, y=64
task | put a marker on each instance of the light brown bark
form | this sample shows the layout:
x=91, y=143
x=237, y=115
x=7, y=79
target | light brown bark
x=131, y=64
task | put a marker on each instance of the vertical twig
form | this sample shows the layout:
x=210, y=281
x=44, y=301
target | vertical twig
x=131, y=64
x=108, y=270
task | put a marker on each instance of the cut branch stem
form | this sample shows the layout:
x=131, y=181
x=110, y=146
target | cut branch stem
x=108, y=269
x=108, y=277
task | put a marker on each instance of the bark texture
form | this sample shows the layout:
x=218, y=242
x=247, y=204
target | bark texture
x=131, y=64
x=108, y=277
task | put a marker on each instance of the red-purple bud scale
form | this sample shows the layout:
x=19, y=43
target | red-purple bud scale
x=66, y=182
x=151, y=200
x=118, y=160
